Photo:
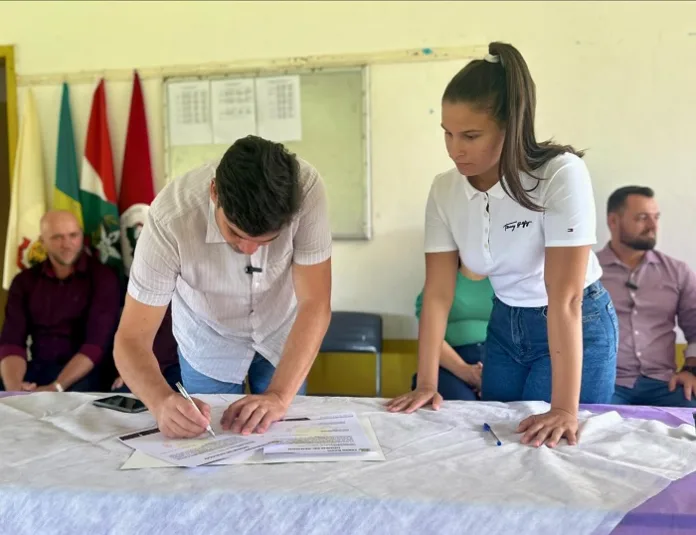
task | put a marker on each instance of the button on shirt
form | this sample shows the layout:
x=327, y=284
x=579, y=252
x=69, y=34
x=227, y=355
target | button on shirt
x=221, y=314
x=666, y=290
x=495, y=236
x=64, y=317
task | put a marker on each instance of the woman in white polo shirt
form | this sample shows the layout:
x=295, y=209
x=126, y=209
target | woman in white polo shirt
x=553, y=331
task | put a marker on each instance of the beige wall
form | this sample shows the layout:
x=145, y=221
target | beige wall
x=616, y=78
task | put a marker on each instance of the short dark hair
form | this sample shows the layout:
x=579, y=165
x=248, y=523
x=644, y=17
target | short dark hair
x=258, y=186
x=506, y=88
x=617, y=200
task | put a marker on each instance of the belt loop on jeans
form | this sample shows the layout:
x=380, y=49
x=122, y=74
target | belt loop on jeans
x=594, y=290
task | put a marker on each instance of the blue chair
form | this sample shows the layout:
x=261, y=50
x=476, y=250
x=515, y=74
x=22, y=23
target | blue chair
x=356, y=332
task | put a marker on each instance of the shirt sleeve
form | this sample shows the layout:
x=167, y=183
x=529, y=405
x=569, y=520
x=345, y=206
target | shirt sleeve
x=438, y=234
x=419, y=305
x=103, y=314
x=686, y=308
x=156, y=265
x=13, y=340
x=570, y=217
x=312, y=240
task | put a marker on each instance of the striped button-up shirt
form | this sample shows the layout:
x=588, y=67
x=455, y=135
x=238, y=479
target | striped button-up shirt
x=221, y=314
x=647, y=300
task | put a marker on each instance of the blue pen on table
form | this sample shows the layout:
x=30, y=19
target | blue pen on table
x=487, y=427
x=186, y=395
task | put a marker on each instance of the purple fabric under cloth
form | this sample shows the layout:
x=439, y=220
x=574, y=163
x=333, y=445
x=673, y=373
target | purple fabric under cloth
x=672, y=511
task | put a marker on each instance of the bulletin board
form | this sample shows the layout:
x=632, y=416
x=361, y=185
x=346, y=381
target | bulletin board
x=204, y=114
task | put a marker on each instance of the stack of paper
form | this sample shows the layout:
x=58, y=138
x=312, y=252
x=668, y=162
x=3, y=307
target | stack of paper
x=332, y=437
x=334, y=434
x=189, y=452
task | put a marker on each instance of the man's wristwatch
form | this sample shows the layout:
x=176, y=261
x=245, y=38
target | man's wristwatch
x=690, y=369
x=59, y=387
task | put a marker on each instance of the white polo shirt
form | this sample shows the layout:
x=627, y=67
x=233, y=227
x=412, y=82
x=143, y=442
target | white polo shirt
x=495, y=236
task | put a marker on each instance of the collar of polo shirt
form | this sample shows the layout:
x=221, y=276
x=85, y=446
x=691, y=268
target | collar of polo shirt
x=496, y=191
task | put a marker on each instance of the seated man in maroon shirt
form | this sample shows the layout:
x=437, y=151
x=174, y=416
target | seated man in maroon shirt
x=68, y=305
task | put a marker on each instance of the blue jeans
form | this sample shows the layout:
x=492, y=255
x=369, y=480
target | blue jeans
x=649, y=391
x=259, y=376
x=518, y=363
x=451, y=387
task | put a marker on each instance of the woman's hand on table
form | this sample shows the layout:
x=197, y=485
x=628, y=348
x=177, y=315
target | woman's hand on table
x=549, y=428
x=414, y=400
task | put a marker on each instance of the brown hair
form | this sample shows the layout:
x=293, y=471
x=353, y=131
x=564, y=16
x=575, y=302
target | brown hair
x=258, y=185
x=506, y=89
x=617, y=200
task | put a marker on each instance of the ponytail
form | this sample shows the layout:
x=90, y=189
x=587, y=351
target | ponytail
x=501, y=83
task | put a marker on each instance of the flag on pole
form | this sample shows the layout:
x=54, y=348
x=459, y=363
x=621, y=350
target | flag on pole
x=27, y=199
x=98, y=187
x=137, y=189
x=66, y=191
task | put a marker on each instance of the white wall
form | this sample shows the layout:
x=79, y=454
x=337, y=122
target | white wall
x=616, y=78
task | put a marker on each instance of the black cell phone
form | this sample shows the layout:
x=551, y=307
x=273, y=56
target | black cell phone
x=121, y=404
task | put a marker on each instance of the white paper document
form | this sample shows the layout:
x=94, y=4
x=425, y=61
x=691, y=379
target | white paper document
x=332, y=434
x=233, y=109
x=335, y=437
x=278, y=108
x=190, y=452
x=189, y=113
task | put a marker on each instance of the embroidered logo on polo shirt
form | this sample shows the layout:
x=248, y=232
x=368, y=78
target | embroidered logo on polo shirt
x=516, y=224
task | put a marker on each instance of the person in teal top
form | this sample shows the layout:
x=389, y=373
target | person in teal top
x=461, y=358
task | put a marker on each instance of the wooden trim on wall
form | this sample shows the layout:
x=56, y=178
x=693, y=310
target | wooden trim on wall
x=7, y=58
x=259, y=66
x=7, y=54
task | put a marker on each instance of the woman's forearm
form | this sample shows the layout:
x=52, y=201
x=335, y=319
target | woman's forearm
x=565, y=347
x=432, y=328
x=452, y=362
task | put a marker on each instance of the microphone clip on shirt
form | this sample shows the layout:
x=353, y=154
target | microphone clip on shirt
x=250, y=270
x=631, y=285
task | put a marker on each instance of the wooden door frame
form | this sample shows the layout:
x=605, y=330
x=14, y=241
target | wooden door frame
x=7, y=54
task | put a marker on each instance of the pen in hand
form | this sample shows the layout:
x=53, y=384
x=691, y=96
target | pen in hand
x=183, y=392
x=487, y=427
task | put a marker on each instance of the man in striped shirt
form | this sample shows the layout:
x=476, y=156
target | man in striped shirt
x=242, y=249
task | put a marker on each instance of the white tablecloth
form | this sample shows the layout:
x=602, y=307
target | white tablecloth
x=60, y=460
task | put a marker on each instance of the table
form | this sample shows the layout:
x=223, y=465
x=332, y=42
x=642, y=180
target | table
x=672, y=511
x=81, y=490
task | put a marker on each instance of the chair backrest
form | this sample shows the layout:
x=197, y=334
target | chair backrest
x=353, y=332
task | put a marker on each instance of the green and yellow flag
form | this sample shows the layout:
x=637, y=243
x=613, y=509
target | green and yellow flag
x=66, y=192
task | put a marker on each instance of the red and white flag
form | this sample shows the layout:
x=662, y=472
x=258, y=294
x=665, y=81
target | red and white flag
x=98, y=188
x=137, y=188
